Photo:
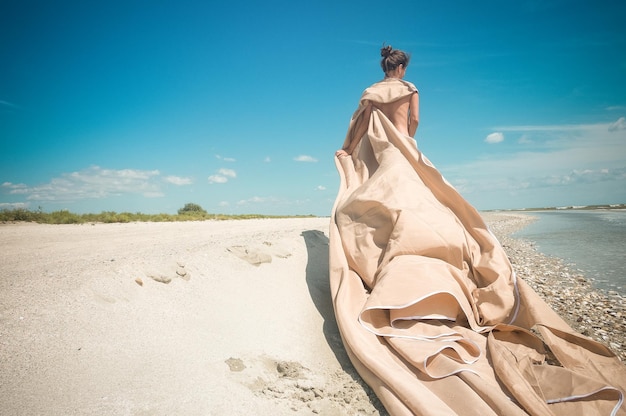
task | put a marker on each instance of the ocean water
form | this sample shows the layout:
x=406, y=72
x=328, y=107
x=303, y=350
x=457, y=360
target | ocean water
x=592, y=241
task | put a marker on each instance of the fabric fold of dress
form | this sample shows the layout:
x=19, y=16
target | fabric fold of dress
x=428, y=304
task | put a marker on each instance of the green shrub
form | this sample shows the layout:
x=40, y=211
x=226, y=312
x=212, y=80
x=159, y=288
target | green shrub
x=17, y=214
x=191, y=208
x=63, y=217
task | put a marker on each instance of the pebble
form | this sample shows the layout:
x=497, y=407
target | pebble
x=597, y=314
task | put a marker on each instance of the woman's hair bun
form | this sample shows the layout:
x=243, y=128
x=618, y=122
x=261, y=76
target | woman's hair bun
x=385, y=51
x=392, y=58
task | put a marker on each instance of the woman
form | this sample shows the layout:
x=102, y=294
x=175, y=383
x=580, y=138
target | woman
x=426, y=300
x=403, y=111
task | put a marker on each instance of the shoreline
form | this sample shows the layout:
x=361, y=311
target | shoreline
x=593, y=312
x=215, y=317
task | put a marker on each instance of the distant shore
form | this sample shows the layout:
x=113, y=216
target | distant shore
x=569, y=207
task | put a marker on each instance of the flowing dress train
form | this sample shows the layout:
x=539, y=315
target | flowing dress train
x=427, y=302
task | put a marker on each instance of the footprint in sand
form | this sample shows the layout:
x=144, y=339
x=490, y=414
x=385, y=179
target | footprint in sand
x=235, y=364
x=182, y=272
x=276, y=250
x=332, y=394
x=166, y=273
x=251, y=255
x=257, y=255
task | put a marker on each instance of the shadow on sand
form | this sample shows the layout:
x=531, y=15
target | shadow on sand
x=317, y=280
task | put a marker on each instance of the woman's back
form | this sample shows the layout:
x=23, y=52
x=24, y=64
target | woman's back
x=398, y=113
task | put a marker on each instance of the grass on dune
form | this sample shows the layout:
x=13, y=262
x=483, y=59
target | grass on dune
x=67, y=217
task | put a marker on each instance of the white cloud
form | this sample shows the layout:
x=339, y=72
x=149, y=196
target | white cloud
x=320, y=188
x=228, y=172
x=552, y=127
x=578, y=176
x=222, y=176
x=217, y=179
x=15, y=188
x=91, y=183
x=620, y=124
x=9, y=105
x=273, y=202
x=564, y=164
x=304, y=158
x=13, y=205
x=178, y=180
x=225, y=159
x=496, y=137
x=256, y=200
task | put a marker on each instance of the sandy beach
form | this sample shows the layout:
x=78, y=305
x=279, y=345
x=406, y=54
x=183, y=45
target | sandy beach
x=206, y=318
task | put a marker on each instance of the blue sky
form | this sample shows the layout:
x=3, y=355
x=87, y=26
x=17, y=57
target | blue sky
x=239, y=106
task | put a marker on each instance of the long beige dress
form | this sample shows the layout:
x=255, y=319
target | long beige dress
x=428, y=304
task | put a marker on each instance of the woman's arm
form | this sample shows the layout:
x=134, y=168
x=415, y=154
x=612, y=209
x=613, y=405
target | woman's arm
x=357, y=132
x=414, y=113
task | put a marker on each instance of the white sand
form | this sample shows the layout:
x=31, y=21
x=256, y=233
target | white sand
x=89, y=326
